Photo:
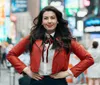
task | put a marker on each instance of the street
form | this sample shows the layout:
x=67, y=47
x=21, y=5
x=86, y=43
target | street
x=6, y=78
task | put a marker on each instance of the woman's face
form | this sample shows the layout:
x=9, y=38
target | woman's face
x=49, y=21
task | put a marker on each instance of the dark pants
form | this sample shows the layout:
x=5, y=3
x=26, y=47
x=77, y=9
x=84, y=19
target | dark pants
x=48, y=81
x=25, y=80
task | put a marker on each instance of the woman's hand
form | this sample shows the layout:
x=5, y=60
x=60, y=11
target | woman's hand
x=35, y=76
x=62, y=74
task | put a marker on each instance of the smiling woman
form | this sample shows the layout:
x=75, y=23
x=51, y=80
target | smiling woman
x=49, y=60
x=49, y=21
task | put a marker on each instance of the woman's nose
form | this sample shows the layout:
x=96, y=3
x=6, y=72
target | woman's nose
x=49, y=20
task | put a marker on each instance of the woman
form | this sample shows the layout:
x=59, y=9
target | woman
x=93, y=72
x=50, y=44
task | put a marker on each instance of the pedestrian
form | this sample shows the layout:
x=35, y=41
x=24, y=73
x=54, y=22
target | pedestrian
x=3, y=55
x=50, y=44
x=93, y=72
x=0, y=50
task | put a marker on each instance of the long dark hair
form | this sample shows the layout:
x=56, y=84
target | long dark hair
x=62, y=37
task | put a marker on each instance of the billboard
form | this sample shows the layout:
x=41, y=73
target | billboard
x=18, y=6
x=92, y=24
x=71, y=7
x=43, y=3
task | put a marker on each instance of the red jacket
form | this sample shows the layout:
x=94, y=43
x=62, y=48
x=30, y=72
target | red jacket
x=60, y=61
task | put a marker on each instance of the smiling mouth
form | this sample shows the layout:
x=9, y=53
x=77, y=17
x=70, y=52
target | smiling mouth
x=49, y=25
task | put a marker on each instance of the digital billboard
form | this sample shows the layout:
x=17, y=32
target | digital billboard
x=92, y=24
x=71, y=7
x=18, y=6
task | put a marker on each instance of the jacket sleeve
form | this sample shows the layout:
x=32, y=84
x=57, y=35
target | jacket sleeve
x=85, y=58
x=17, y=50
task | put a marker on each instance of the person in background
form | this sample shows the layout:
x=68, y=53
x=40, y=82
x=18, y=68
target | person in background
x=50, y=44
x=8, y=48
x=93, y=72
x=0, y=54
x=3, y=55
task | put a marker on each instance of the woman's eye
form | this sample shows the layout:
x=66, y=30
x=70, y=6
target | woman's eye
x=52, y=17
x=45, y=17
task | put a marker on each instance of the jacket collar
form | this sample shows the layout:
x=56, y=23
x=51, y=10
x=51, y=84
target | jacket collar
x=40, y=46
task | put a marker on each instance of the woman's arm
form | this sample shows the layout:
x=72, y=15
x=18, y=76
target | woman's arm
x=85, y=57
x=17, y=50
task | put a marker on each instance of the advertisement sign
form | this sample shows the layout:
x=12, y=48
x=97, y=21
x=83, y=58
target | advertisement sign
x=7, y=8
x=43, y=3
x=2, y=11
x=92, y=24
x=71, y=7
x=59, y=5
x=18, y=6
